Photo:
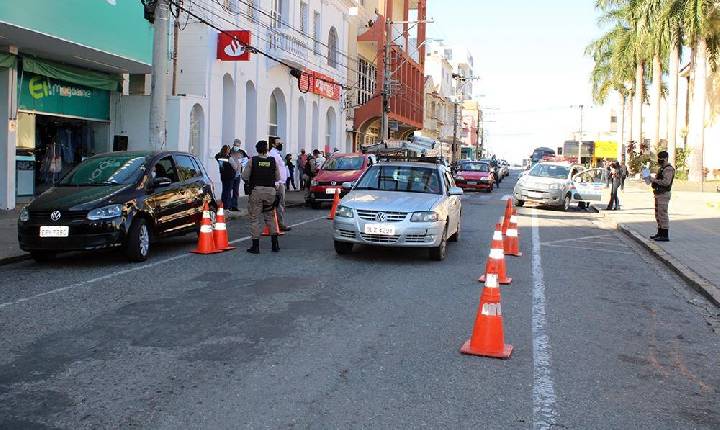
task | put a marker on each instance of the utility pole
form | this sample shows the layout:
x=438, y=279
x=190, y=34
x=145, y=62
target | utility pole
x=158, y=97
x=480, y=131
x=386, y=82
x=579, y=160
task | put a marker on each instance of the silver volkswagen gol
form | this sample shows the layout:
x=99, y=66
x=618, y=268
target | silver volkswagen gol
x=548, y=183
x=400, y=204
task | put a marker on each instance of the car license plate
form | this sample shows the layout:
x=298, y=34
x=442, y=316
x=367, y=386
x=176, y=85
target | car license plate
x=472, y=183
x=330, y=190
x=54, y=231
x=385, y=229
x=535, y=195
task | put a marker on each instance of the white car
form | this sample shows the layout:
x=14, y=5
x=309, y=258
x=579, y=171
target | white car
x=400, y=204
x=547, y=183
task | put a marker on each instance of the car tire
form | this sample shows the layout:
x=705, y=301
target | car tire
x=137, y=245
x=566, y=203
x=440, y=252
x=42, y=256
x=343, y=248
x=518, y=203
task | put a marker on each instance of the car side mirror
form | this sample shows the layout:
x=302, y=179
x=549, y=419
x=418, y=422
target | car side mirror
x=161, y=181
x=455, y=191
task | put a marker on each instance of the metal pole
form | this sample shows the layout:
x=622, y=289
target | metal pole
x=158, y=97
x=581, y=136
x=478, y=131
x=455, y=121
x=386, y=82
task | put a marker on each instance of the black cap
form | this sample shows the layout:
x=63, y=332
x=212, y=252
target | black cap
x=664, y=155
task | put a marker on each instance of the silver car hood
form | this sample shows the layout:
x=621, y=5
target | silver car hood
x=534, y=181
x=390, y=201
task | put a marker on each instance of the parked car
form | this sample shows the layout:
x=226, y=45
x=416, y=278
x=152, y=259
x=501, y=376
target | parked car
x=588, y=187
x=548, y=183
x=474, y=175
x=400, y=204
x=340, y=168
x=118, y=199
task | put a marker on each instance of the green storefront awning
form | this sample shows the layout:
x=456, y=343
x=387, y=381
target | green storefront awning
x=75, y=75
x=7, y=60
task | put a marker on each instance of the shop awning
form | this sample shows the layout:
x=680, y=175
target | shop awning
x=75, y=75
x=7, y=60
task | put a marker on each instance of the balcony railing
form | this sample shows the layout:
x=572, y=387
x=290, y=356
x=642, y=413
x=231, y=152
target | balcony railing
x=283, y=44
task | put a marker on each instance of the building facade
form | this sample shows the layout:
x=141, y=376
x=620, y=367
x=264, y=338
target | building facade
x=59, y=85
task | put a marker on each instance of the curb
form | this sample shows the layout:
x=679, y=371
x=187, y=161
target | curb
x=700, y=284
x=14, y=259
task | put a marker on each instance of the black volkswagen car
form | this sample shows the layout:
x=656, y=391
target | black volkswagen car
x=118, y=199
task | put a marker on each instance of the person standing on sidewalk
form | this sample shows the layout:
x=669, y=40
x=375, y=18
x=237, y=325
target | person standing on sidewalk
x=227, y=175
x=624, y=175
x=661, y=185
x=276, y=147
x=262, y=173
x=302, y=159
x=291, y=173
x=615, y=180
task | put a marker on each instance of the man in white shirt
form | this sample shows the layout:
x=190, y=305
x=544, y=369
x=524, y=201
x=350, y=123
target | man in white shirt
x=319, y=159
x=276, y=152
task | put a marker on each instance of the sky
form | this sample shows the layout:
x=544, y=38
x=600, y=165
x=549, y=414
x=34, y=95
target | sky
x=530, y=58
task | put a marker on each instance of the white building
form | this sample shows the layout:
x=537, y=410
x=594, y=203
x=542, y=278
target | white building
x=218, y=101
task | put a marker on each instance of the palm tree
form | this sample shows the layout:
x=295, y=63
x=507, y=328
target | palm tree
x=699, y=18
x=654, y=27
x=672, y=16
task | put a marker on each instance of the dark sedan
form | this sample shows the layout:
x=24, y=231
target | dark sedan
x=118, y=199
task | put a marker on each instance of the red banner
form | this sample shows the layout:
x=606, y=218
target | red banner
x=319, y=84
x=232, y=45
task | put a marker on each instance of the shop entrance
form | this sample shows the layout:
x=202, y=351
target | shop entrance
x=56, y=145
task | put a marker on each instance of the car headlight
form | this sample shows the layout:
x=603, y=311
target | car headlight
x=424, y=217
x=24, y=215
x=459, y=178
x=555, y=187
x=313, y=183
x=344, y=212
x=112, y=211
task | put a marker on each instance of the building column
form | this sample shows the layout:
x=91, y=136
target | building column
x=8, y=136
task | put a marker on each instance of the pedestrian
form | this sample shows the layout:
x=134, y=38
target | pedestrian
x=319, y=159
x=302, y=159
x=661, y=185
x=262, y=174
x=291, y=173
x=624, y=175
x=309, y=174
x=276, y=147
x=236, y=156
x=227, y=175
x=615, y=179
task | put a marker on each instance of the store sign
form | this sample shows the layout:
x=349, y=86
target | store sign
x=42, y=94
x=232, y=45
x=319, y=84
x=606, y=149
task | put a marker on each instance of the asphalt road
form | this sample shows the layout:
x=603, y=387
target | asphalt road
x=604, y=337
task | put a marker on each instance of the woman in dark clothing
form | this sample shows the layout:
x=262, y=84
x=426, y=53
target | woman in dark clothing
x=615, y=181
x=291, y=173
x=227, y=175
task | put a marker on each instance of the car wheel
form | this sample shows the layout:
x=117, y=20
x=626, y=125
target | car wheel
x=518, y=203
x=137, y=246
x=566, y=203
x=42, y=256
x=343, y=248
x=440, y=252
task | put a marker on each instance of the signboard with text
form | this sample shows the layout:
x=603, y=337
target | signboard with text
x=42, y=94
x=319, y=84
x=232, y=45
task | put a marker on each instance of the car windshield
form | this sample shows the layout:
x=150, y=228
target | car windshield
x=108, y=170
x=401, y=178
x=550, y=171
x=474, y=167
x=344, y=163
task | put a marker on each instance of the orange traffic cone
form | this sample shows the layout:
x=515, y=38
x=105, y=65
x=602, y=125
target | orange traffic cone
x=496, y=261
x=506, y=218
x=220, y=236
x=488, y=337
x=512, y=240
x=266, y=230
x=336, y=201
x=206, y=243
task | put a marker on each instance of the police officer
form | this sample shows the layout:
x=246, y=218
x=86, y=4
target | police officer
x=261, y=174
x=661, y=185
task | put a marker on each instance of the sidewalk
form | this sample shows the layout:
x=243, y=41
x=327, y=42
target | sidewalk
x=10, y=251
x=694, y=248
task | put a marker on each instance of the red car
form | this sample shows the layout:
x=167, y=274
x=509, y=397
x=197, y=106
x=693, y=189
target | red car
x=338, y=169
x=474, y=175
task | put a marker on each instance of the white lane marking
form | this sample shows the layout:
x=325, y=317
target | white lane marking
x=543, y=391
x=598, y=236
x=506, y=197
x=125, y=271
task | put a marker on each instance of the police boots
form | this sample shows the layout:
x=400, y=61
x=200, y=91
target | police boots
x=656, y=235
x=255, y=248
x=275, y=244
x=663, y=236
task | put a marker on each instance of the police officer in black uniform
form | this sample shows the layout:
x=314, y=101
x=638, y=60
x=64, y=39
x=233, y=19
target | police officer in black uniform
x=261, y=174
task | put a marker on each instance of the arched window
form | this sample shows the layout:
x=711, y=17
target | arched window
x=332, y=56
x=273, y=118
